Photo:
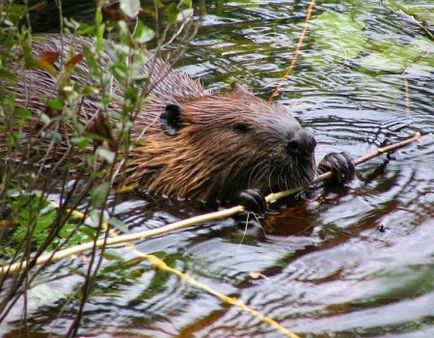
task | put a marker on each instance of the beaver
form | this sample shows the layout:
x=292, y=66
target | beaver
x=191, y=143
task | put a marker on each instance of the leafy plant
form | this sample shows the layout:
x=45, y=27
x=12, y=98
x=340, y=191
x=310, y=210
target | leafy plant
x=90, y=159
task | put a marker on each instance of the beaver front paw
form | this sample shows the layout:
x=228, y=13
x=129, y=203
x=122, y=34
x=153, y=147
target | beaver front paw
x=340, y=164
x=252, y=200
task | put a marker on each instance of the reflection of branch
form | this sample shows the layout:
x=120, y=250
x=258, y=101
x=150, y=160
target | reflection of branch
x=296, y=53
x=406, y=91
x=161, y=265
x=271, y=198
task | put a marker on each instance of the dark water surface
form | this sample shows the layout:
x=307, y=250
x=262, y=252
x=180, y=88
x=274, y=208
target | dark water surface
x=356, y=261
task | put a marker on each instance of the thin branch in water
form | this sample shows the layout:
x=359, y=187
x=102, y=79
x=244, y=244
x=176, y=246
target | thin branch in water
x=296, y=53
x=161, y=265
x=406, y=89
x=244, y=233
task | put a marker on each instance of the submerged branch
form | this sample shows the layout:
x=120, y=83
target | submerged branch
x=161, y=265
x=271, y=198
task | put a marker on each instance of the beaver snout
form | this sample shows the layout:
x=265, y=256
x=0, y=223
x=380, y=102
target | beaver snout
x=302, y=143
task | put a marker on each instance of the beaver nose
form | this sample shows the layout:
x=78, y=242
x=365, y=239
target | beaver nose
x=302, y=143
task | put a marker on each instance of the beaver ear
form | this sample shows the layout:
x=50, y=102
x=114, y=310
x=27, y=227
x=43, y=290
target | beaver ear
x=239, y=88
x=170, y=119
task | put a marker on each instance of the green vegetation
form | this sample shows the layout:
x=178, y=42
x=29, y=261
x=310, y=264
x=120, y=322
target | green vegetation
x=341, y=38
x=30, y=224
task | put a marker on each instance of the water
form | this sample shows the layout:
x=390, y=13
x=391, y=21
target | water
x=354, y=261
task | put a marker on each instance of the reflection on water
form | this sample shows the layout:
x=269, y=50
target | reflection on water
x=349, y=262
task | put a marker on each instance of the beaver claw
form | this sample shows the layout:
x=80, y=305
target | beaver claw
x=252, y=200
x=340, y=164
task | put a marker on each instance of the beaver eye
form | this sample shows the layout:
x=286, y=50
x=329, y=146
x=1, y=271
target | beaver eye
x=241, y=128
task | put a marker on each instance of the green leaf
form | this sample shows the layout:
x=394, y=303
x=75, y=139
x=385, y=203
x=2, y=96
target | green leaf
x=45, y=119
x=85, y=29
x=118, y=224
x=422, y=10
x=54, y=135
x=99, y=39
x=13, y=193
x=187, y=3
x=91, y=61
x=111, y=256
x=143, y=33
x=106, y=154
x=16, y=12
x=23, y=112
x=124, y=30
x=119, y=71
x=172, y=12
x=99, y=194
x=6, y=73
x=75, y=237
x=40, y=230
x=88, y=232
x=338, y=35
x=131, y=8
x=184, y=14
x=72, y=25
x=55, y=104
x=80, y=141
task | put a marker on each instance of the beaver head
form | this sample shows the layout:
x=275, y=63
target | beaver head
x=214, y=146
